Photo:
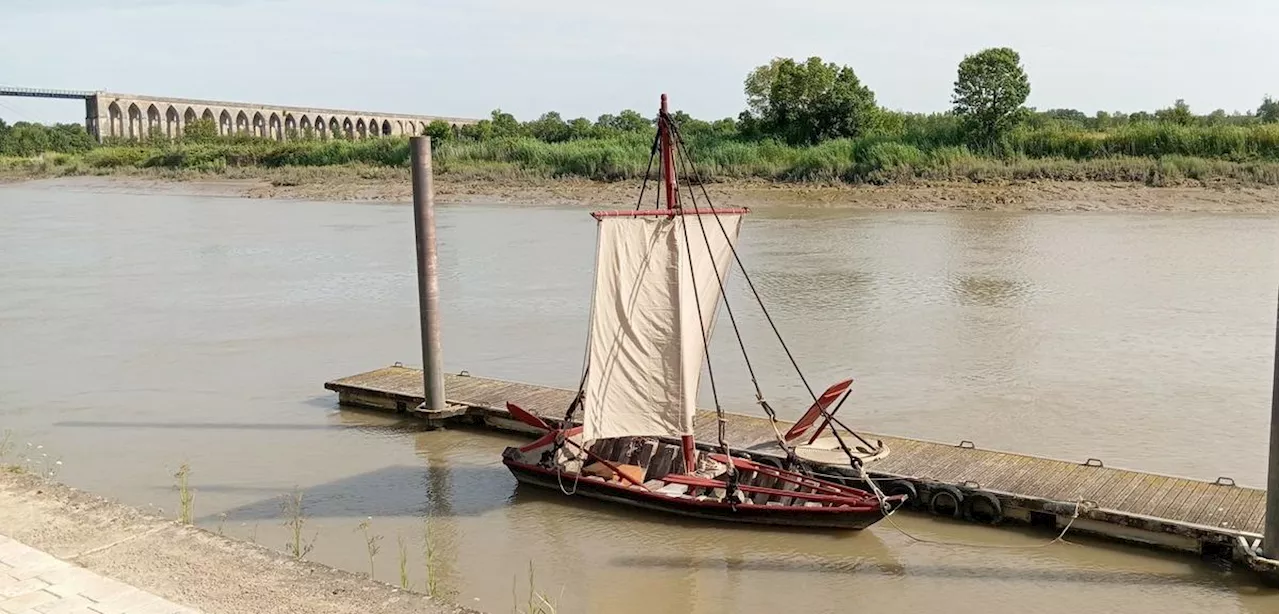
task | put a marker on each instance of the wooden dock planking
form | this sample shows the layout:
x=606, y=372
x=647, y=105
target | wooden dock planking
x=1181, y=500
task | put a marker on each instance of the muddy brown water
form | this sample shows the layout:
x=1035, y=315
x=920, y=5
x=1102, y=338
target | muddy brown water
x=142, y=331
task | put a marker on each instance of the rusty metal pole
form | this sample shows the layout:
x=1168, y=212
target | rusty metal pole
x=424, y=227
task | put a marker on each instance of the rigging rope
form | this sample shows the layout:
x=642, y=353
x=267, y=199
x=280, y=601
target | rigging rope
x=790, y=455
x=733, y=321
x=653, y=150
x=732, y=482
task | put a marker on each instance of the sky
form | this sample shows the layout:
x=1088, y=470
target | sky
x=586, y=58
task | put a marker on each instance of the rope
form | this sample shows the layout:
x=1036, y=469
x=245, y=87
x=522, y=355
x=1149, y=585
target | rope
x=888, y=516
x=684, y=157
x=1061, y=537
x=653, y=151
x=706, y=346
x=768, y=318
x=559, y=470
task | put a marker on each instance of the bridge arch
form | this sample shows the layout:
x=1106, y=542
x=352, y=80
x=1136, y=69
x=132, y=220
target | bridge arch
x=304, y=127
x=154, y=121
x=335, y=128
x=225, y=125
x=386, y=128
x=242, y=123
x=259, y=125
x=361, y=130
x=290, y=127
x=348, y=128
x=273, y=127
x=172, y=122
x=321, y=127
x=135, y=121
x=189, y=116
x=115, y=120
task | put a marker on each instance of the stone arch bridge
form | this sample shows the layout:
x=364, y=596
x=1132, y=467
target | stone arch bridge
x=131, y=116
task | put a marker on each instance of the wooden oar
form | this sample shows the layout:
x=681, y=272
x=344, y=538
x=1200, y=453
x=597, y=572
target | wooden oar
x=528, y=418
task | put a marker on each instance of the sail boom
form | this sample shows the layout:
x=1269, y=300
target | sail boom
x=670, y=212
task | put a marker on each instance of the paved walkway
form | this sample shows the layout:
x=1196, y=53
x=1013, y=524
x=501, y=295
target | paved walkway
x=32, y=581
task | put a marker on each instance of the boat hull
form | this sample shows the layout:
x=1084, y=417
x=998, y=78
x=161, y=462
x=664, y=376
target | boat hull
x=850, y=518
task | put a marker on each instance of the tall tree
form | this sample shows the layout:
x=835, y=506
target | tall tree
x=759, y=83
x=815, y=101
x=1269, y=111
x=1179, y=113
x=990, y=89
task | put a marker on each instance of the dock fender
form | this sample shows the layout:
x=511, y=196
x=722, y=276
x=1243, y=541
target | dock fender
x=770, y=461
x=983, y=507
x=945, y=500
x=851, y=478
x=903, y=487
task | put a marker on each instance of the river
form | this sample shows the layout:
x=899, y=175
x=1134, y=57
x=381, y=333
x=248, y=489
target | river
x=142, y=331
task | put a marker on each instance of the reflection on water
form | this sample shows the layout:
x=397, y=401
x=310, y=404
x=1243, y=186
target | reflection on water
x=988, y=292
x=141, y=332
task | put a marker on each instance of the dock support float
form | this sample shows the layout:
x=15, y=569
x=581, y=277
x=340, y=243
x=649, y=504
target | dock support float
x=433, y=408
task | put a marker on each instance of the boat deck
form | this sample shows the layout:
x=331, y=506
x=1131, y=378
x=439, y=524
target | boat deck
x=1121, y=496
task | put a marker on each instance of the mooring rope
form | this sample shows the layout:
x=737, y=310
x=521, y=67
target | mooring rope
x=888, y=516
x=936, y=542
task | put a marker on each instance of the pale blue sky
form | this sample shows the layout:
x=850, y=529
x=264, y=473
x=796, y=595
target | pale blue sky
x=586, y=58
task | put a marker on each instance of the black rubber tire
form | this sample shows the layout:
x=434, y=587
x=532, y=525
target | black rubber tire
x=903, y=487
x=946, y=501
x=983, y=507
x=769, y=461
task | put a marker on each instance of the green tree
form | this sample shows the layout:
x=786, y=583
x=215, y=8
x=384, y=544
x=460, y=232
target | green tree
x=814, y=101
x=1269, y=111
x=759, y=83
x=990, y=89
x=580, y=128
x=70, y=138
x=26, y=139
x=440, y=131
x=550, y=127
x=479, y=131
x=201, y=130
x=505, y=124
x=632, y=121
x=1180, y=113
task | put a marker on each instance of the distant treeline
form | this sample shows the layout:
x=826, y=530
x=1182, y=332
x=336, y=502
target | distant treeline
x=25, y=139
x=806, y=121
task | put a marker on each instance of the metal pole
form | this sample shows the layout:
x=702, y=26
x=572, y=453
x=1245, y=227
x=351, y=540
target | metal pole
x=1270, y=543
x=424, y=226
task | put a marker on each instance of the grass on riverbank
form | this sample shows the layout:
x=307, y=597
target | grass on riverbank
x=1154, y=154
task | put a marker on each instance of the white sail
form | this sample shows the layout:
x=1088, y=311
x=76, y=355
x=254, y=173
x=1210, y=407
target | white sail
x=646, y=343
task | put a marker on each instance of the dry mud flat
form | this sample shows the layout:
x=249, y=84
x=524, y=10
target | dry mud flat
x=392, y=185
x=184, y=564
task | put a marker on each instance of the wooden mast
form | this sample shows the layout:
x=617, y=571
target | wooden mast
x=689, y=453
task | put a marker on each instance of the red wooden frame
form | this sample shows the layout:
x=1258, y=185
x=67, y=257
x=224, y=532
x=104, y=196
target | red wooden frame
x=824, y=401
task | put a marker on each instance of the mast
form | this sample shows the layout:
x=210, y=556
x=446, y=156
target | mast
x=669, y=186
x=668, y=156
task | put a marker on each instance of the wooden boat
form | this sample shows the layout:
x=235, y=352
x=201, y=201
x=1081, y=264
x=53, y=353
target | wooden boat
x=659, y=283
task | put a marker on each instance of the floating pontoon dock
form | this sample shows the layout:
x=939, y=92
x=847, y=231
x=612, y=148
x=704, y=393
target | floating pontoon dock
x=1218, y=519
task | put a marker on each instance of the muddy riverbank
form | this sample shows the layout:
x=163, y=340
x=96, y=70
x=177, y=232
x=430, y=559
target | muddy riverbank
x=385, y=184
x=184, y=564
